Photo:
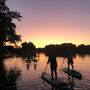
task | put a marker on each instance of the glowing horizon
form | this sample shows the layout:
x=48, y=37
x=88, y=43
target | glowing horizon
x=41, y=44
x=53, y=22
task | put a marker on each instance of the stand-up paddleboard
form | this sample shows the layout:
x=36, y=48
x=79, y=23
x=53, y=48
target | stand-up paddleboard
x=35, y=60
x=73, y=73
x=56, y=83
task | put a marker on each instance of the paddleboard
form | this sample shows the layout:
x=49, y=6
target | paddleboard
x=58, y=83
x=35, y=60
x=72, y=73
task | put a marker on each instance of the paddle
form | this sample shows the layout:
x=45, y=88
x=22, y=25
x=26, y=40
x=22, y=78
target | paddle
x=62, y=64
x=45, y=68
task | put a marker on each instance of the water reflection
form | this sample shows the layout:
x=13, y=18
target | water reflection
x=35, y=65
x=8, y=78
x=3, y=79
x=28, y=63
x=54, y=88
x=27, y=73
x=12, y=76
x=71, y=82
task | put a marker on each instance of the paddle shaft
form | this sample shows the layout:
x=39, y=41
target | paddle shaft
x=62, y=64
x=46, y=68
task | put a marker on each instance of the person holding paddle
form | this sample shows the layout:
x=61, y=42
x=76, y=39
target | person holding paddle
x=53, y=65
x=70, y=60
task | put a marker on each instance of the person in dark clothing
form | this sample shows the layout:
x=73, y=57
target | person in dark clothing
x=53, y=65
x=70, y=61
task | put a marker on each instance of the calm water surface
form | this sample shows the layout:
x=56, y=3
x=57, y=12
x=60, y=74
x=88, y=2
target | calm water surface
x=30, y=78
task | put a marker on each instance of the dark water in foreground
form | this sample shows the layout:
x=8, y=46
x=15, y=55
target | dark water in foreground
x=30, y=78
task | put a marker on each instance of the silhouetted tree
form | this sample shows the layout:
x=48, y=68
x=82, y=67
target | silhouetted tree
x=60, y=50
x=28, y=49
x=7, y=26
x=7, y=34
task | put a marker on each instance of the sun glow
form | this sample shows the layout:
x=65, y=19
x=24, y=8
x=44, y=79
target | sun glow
x=41, y=43
x=53, y=23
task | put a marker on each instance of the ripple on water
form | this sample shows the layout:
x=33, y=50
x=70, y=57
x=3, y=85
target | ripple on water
x=31, y=79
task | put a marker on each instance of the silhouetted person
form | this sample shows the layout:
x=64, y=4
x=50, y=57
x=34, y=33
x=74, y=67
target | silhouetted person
x=53, y=65
x=70, y=61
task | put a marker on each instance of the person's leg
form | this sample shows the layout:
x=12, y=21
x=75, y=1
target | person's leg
x=72, y=66
x=51, y=73
x=68, y=66
x=55, y=70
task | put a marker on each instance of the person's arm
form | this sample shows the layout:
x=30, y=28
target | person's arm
x=48, y=60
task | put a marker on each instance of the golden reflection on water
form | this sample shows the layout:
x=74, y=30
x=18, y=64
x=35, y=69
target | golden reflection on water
x=79, y=64
x=31, y=71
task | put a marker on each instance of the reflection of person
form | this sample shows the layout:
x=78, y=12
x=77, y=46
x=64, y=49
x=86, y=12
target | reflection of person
x=71, y=82
x=53, y=65
x=35, y=64
x=54, y=88
x=70, y=61
x=28, y=65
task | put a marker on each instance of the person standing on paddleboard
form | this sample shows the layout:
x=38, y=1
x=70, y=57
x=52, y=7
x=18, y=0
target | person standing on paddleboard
x=53, y=65
x=70, y=60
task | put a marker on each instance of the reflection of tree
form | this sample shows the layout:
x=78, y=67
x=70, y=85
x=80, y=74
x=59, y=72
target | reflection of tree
x=82, y=55
x=8, y=78
x=3, y=80
x=12, y=77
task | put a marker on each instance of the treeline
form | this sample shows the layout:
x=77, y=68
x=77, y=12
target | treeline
x=26, y=50
x=29, y=49
x=65, y=48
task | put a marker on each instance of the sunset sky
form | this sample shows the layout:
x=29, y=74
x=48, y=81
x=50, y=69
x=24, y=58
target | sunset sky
x=53, y=21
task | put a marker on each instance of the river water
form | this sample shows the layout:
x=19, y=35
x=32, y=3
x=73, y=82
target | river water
x=30, y=72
